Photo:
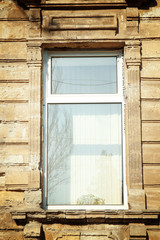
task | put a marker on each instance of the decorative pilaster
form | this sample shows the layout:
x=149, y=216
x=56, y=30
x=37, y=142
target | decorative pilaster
x=133, y=125
x=35, y=64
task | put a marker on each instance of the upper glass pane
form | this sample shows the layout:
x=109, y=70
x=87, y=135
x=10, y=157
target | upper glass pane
x=84, y=75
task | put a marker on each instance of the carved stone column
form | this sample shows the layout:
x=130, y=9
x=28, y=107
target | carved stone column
x=35, y=65
x=133, y=125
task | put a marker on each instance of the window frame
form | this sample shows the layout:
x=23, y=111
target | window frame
x=49, y=98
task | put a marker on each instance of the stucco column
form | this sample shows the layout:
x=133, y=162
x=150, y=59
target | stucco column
x=35, y=65
x=136, y=196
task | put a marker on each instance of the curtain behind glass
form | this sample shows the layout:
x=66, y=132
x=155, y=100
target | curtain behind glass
x=84, y=154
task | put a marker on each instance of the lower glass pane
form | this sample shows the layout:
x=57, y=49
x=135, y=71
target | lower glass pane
x=84, y=154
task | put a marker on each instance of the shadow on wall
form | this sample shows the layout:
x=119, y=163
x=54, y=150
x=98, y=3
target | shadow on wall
x=144, y=4
x=24, y=3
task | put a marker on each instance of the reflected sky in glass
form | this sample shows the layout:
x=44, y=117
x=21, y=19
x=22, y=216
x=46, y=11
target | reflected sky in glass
x=77, y=75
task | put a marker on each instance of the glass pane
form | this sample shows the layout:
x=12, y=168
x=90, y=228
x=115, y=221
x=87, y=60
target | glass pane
x=84, y=154
x=71, y=75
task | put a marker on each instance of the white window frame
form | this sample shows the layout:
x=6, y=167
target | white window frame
x=48, y=98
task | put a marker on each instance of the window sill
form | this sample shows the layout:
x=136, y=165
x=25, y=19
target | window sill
x=84, y=216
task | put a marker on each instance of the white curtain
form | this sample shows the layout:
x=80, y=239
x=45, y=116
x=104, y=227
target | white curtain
x=84, y=154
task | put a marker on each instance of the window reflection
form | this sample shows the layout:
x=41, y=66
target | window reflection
x=84, y=154
x=71, y=75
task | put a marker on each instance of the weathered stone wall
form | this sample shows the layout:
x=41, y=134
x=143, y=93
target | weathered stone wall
x=27, y=28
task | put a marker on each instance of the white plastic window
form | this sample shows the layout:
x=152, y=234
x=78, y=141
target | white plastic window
x=84, y=133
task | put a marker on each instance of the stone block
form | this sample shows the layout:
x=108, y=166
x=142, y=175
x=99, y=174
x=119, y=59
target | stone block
x=151, y=131
x=2, y=181
x=6, y=219
x=49, y=235
x=152, y=12
x=11, y=235
x=33, y=197
x=14, y=91
x=137, y=230
x=22, y=179
x=34, y=180
x=13, y=50
x=16, y=178
x=34, y=14
x=71, y=238
x=150, y=110
x=14, y=154
x=64, y=235
x=101, y=234
x=149, y=29
x=17, y=13
x=153, y=47
x=14, y=111
x=95, y=233
x=132, y=12
x=79, y=13
x=11, y=11
x=15, y=132
x=136, y=199
x=132, y=50
x=108, y=22
x=14, y=71
x=151, y=175
x=75, y=214
x=150, y=89
x=132, y=25
x=32, y=230
x=150, y=69
x=34, y=29
x=8, y=29
x=154, y=234
x=56, y=215
x=11, y=198
x=153, y=196
x=95, y=214
x=151, y=153
x=80, y=35
x=94, y=238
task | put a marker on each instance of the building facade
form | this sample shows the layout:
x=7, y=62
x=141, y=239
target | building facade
x=112, y=48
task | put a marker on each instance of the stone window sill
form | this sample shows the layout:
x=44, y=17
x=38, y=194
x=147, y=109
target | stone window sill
x=85, y=217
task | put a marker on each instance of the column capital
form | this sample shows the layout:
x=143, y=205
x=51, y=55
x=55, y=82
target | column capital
x=132, y=54
x=34, y=54
x=133, y=63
